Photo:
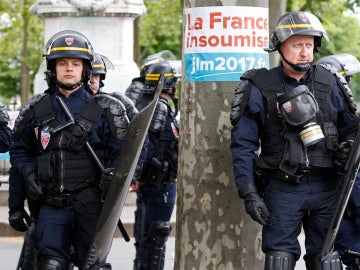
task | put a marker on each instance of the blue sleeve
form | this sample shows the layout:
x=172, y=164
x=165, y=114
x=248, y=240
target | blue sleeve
x=245, y=140
x=22, y=151
x=16, y=190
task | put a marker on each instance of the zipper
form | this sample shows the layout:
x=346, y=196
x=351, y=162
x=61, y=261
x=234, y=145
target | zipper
x=61, y=167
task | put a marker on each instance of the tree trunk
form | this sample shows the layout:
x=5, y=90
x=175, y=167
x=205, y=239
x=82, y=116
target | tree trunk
x=213, y=230
x=276, y=9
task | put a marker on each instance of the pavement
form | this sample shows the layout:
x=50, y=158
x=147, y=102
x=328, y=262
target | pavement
x=121, y=254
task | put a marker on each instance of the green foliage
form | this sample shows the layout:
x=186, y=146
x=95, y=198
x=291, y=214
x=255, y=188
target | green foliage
x=160, y=27
x=13, y=14
x=342, y=27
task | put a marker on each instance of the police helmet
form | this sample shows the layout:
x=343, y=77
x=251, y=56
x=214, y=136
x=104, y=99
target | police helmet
x=344, y=63
x=99, y=66
x=68, y=44
x=153, y=75
x=297, y=23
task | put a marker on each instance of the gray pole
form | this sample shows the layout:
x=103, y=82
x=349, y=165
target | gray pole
x=213, y=230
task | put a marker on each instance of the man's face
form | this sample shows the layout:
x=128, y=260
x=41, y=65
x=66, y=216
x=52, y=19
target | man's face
x=298, y=49
x=94, y=83
x=69, y=70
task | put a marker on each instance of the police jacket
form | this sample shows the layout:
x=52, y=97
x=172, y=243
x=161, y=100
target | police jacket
x=163, y=142
x=255, y=119
x=62, y=160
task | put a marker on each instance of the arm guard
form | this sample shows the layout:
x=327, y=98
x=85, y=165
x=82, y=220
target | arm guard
x=158, y=121
x=23, y=116
x=239, y=102
x=116, y=113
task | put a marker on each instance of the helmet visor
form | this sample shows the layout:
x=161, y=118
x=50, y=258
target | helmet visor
x=299, y=24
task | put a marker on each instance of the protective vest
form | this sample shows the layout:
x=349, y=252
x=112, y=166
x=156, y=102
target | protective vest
x=59, y=166
x=281, y=146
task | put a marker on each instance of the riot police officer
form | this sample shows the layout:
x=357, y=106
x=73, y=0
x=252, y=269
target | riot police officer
x=134, y=90
x=347, y=241
x=98, y=74
x=156, y=188
x=299, y=112
x=51, y=141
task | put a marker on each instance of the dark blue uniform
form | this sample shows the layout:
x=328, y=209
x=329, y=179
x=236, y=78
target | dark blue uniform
x=71, y=221
x=156, y=197
x=292, y=206
x=348, y=237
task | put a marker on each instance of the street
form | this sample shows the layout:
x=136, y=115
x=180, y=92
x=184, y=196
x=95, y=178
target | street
x=121, y=254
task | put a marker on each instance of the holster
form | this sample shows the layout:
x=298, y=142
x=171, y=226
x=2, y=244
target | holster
x=157, y=172
x=260, y=180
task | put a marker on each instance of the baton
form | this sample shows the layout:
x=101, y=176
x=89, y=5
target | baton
x=94, y=156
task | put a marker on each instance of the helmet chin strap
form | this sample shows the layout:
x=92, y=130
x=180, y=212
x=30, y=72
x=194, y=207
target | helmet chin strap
x=297, y=67
x=69, y=88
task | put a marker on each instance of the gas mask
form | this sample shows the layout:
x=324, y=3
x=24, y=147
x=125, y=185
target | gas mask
x=298, y=108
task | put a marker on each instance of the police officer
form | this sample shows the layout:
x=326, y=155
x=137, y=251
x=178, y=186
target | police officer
x=156, y=188
x=50, y=149
x=347, y=241
x=98, y=74
x=299, y=112
x=134, y=90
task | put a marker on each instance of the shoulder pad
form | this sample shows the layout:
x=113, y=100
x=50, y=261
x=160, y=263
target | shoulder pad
x=239, y=102
x=129, y=104
x=159, y=118
x=348, y=95
x=117, y=115
x=4, y=115
x=134, y=91
x=24, y=114
x=329, y=67
x=249, y=73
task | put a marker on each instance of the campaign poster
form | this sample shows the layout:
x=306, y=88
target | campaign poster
x=222, y=42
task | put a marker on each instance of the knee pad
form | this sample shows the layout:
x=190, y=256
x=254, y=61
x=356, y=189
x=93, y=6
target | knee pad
x=158, y=234
x=331, y=262
x=52, y=263
x=279, y=260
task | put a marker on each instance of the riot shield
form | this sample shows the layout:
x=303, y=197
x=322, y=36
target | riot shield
x=119, y=187
x=351, y=170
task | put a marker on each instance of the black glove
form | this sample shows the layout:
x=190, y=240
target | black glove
x=19, y=220
x=33, y=190
x=4, y=115
x=342, y=154
x=106, y=178
x=256, y=208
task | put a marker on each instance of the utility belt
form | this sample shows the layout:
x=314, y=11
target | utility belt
x=59, y=200
x=63, y=199
x=300, y=177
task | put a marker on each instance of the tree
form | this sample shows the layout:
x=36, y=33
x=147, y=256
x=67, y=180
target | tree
x=21, y=42
x=212, y=229
x=160, y=27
